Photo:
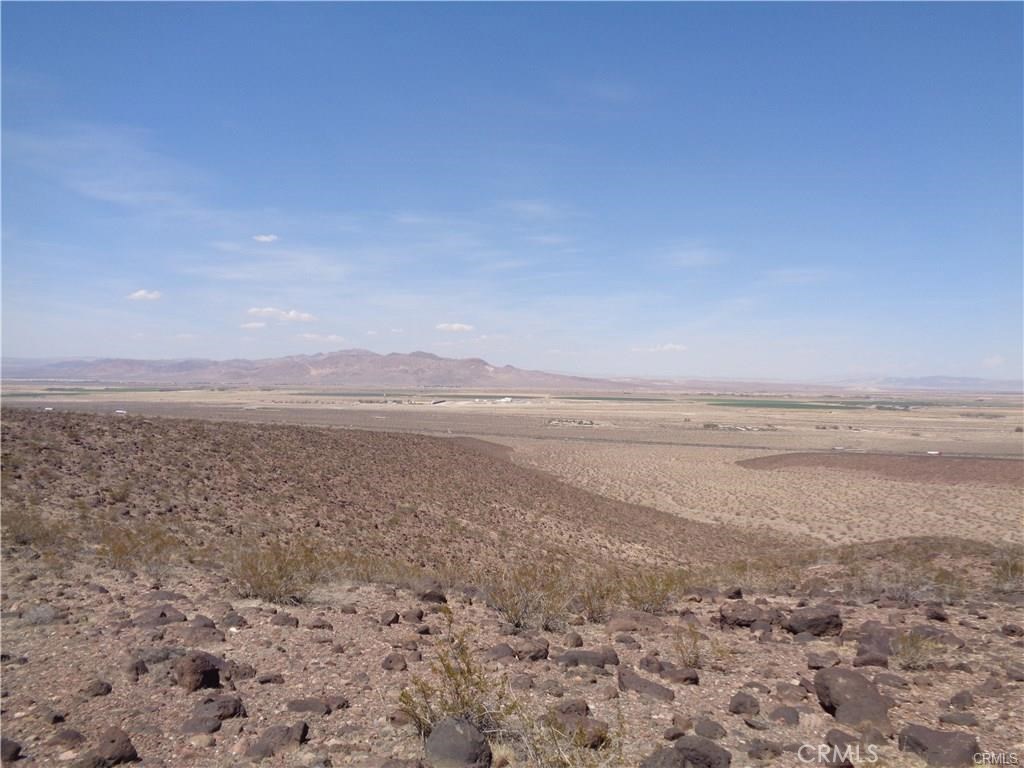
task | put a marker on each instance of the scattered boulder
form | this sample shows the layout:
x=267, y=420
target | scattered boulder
x=708, y=729
x=395, y=662
x=851, y=698
x=220, y=707
x=689, y=752
x=939, y=748
x=739, y=613
x=1012, y=630
x=277, y=739
x=599, y=658
x=530, y=648
x=430, y=591
x=633, y=621
x=284, y=619
x=97, y=688
x=388, y=618
x=572, y=717
x=312, y=705
x=10, y=750
x=197, y=670
x=743, y=703
x=818, y=620
x=158, y=616
x=457, y=744
x=115, y=747
x=785, y=715
x=631, y=681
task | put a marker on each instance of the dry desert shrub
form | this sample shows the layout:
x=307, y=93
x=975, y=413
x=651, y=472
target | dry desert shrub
x=146, y=546
x=543, y=744
x=1008, y=570
x=462, y=689
x=24, y=526
x=530, y=596
x=278, y=572
x=596, y=594
x=688, y=645
x=651, y=589
x=913, y=652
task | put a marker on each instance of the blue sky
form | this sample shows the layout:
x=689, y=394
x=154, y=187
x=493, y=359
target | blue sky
x=795, y=191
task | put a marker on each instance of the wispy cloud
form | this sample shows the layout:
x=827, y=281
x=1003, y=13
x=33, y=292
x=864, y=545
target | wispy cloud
x=691, y=256
x=532, y=209
x=266, y=238
x=143, y=295
x=994, y=361
x=454, y=327
x=284, y=315
x=253, y=324
x=331, y=337
x=797, y=275
x=669, y=347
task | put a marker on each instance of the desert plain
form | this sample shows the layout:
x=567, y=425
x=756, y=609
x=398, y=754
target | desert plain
x=229, y=576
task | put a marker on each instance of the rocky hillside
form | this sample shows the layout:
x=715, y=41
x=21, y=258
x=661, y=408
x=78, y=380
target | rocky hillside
x=189, y=593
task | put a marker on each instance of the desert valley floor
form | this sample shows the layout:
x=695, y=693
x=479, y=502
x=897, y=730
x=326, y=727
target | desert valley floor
x=653, y=580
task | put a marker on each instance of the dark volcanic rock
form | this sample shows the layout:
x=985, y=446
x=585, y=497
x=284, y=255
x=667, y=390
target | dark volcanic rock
x=115, y=747
x=689, y=752
x=97, y=688
x=199, y=724
x=284, y=619
x=577, y=657
x=939, y=748
x=818, y=620
x=197, y=670
x=312, y=705
x=708, y=729
x=739, y=614
x=851, y=698
x=158, y=616
x=456, y=744
x=220, y=707
x=278, y=738
x=395, y=662
x=10, y=750
x=743, y=703
x=785, y=715
x=631, y=681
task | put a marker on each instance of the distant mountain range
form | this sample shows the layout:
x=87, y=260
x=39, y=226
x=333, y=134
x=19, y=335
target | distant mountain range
x=344, y=368
x=353, y=368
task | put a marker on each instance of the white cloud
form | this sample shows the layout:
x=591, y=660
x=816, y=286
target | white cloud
x=254, y=324
x=143, y=295
x=320, y=337
x=184, y=336
x=670, y=347
x=285, y=315
x=454, y=327
x=265, y=238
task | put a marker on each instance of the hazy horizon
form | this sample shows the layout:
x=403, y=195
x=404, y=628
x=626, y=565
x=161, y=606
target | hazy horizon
x=794, y=192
